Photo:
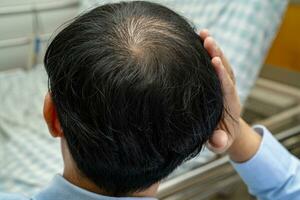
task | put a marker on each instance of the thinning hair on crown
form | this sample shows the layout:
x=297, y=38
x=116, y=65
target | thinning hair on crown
x=134, y=91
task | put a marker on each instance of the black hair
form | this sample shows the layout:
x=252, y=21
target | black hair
x=135, y=93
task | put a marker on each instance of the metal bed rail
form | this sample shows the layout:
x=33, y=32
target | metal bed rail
x=40, y=6
x=30, y=46
x=212, y=177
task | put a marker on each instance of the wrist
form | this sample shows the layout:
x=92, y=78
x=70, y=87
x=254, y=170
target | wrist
x=245, y=144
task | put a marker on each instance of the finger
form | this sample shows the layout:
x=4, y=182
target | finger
x=226, y=81
x=211, y=46
x=204, y=34
x=218, y=142
x=215, y=51
x=228, y=87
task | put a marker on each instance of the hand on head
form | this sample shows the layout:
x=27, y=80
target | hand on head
x=228, y=129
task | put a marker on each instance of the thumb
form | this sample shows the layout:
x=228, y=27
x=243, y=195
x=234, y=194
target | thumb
x=219, y=141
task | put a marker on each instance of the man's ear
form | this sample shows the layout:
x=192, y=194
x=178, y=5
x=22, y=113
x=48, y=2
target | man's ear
x=51, y=118
x=219, y=141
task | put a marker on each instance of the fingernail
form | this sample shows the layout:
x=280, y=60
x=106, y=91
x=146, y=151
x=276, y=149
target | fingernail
x=215, y=44
x=218, y=60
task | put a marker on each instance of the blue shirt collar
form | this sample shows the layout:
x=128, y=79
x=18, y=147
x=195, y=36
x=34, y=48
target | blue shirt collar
x=61, y=189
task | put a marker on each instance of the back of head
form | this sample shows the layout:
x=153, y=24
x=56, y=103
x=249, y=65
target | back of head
x=135, y=93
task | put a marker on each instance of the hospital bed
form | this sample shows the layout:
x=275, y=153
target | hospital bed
x=29, y=157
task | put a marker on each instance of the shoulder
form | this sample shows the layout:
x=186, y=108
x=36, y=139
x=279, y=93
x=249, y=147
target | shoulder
x=7, y=196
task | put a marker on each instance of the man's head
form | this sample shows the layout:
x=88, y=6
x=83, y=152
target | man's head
x=134, y=92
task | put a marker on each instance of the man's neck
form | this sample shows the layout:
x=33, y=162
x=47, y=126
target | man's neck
x=73, y=177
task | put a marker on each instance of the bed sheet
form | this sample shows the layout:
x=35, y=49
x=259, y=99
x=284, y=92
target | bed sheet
x=243, y=28
x=29, y=156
